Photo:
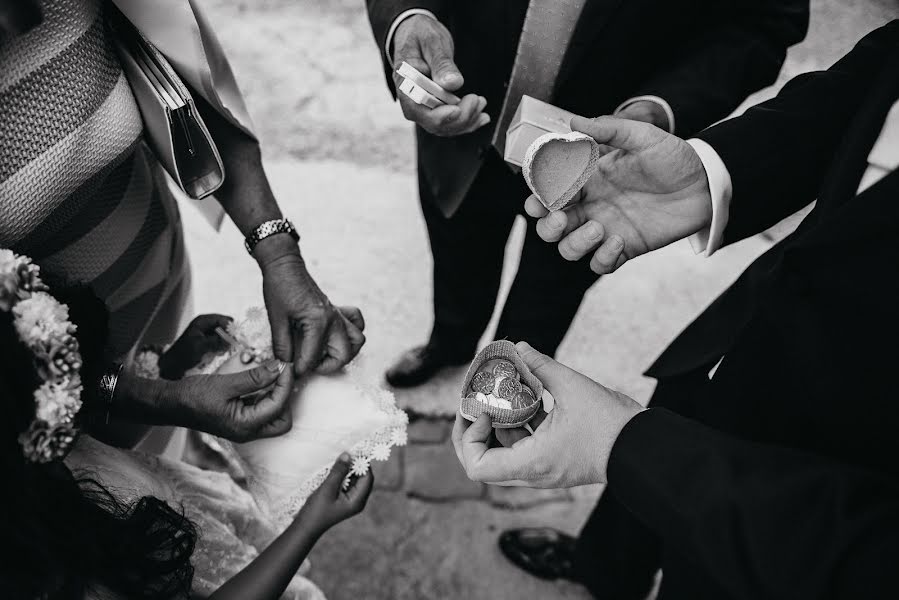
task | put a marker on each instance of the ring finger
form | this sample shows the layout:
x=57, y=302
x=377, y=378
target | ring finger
x=581, y=241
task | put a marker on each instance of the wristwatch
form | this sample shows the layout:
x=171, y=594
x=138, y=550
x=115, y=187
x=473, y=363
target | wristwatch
x=267, y=229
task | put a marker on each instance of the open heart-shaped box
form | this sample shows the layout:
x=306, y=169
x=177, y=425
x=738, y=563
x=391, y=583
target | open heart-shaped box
x=557, y=165
x=501, y=418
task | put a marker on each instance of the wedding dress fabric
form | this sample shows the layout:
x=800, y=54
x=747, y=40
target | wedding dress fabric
x=330, y=415
x=232, y=529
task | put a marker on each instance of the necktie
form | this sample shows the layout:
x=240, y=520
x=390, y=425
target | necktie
x=545, y=36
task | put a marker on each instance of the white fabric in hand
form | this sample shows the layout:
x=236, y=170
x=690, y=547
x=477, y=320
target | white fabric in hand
x=330, y=415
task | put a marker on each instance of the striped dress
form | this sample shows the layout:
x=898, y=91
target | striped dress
x=80, y=191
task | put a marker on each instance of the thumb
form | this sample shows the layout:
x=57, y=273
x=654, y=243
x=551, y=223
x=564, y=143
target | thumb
x=444, y=71
x=623, y=134
x=281, y=343
x=252, y=380
x=339, y=472
x=554, y=375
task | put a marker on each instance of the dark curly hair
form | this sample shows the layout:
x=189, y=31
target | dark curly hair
x=64, y=533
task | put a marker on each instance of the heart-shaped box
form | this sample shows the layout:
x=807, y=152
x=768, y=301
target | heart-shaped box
x=557, y=165
x=501, y=418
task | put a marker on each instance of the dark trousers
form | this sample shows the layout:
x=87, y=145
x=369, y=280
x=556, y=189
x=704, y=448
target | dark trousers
x=616, y=556
x=468, y=252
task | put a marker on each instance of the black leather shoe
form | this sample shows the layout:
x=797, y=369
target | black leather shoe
x=543, y=552
x=420, y=364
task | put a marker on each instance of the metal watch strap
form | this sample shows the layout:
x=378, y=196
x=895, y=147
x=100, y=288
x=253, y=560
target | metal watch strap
x=267, y=229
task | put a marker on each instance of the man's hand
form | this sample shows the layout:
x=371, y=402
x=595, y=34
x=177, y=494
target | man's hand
x=650, y=190
x=570, y=447
x=306, y=328
x=427, y=45
x=645, y=111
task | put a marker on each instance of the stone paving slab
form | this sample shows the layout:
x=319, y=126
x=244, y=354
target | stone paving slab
x=433, y=473
x=517, y=498
x=425, y=430
x=390, y=474
x=402, y=548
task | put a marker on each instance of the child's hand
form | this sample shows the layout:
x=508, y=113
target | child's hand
x=198, y=340
x=330, y=503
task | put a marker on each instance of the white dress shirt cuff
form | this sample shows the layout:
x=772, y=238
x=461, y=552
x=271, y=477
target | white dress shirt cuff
x=396, y=23
x=709, y=240
x=660, y=101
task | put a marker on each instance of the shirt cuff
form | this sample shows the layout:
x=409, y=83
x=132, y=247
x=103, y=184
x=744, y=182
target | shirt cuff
x=709, y=240
x=660, y=101
x=396, y=23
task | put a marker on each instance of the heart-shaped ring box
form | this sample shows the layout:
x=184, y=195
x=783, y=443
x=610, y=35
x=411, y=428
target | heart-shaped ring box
x=557, y=165
x=501, y=418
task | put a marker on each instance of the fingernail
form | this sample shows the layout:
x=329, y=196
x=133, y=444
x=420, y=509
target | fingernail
x=281, y=367
x=592, y=231
x=344, y=457
x=275, y=366
x=556, y=220
x=617, y=242
x=485, y=118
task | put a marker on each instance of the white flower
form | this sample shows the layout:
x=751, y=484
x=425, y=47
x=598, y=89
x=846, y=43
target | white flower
x=380, y=452
x=9, y=262
x=40, y=319
x=254, y=333
x=360, y=466
x=146, y=364
x=399, y=437
x=57, y=402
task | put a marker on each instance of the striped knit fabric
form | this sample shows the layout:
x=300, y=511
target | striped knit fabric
x=80, y=192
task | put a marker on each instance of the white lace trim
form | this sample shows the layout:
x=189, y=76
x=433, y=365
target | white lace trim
x=377, y=446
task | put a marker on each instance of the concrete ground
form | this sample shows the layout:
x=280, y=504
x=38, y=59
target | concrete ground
x=341, y=160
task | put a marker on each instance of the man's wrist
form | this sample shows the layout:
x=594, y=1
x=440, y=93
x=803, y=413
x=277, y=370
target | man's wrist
x=720, y=190
x=401, y=19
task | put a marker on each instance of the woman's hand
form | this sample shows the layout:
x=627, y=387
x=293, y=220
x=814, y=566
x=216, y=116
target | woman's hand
x=306, y=328
x=240, y=406
x=198, y=340
x=570, y=447
x=330, y=503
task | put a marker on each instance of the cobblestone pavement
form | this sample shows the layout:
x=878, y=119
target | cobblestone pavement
x=341, y=160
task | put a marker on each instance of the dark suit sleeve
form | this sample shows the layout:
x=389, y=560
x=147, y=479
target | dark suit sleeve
x=742, y=52
x=382, y=14
x=778, y=152
x=764, y=521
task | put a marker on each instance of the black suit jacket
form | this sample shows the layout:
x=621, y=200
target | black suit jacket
x=702, y=56
x=785, y=484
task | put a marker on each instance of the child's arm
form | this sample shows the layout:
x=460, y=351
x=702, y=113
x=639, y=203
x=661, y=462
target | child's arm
x=197, y=340
x=271, y=572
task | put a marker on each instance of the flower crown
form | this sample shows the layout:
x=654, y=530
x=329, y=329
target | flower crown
x=42, y=324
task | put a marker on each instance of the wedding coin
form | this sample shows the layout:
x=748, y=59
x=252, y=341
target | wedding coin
x=524, y=398
x=483, y=382
x=488, y=365
x=508, y=387
x=505, y=368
